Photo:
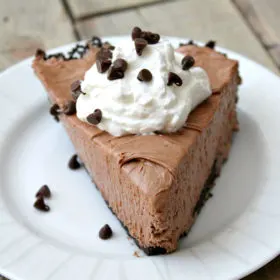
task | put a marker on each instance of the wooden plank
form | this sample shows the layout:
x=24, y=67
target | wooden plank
x=92, y=7
x=218, y=20
x=263, y=17
x=28, y=25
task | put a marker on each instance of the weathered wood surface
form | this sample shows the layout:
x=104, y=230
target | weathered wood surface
x=251, y=27
x=88, y=8
x=28, y=25
x=218, y=20
x=263, y=16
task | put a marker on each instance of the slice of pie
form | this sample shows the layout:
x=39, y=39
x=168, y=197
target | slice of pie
x=155, y=184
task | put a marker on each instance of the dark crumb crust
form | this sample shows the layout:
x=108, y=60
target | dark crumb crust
x=204, y=196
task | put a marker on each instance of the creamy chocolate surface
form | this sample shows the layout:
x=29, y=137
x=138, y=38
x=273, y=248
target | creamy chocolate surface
x=152, y=183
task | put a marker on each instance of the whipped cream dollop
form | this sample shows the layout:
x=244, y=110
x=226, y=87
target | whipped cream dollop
x=130, y=106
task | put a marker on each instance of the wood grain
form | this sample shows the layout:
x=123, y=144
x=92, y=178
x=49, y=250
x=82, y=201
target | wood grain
x=263, y=17
x=218, y=20
x=92, y=7
x=28, y=25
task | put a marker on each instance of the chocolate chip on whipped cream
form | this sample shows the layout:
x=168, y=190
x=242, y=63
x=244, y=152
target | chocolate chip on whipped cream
x=44, y=191
x=173, y=78
x=117, y=70
x=95, y=118
x=140, y=45
x=136, y=32
x=210, y=44
x=187, y=62
x=150, y=37
x=145, y=75
x=41, y=205
x=103, y=65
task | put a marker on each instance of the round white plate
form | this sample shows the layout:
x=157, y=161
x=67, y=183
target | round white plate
x=236, y=233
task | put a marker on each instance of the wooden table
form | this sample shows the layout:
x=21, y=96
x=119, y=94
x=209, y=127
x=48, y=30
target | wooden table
x=250, y=27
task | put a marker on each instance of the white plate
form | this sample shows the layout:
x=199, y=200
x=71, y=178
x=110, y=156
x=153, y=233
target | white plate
x=236, y=233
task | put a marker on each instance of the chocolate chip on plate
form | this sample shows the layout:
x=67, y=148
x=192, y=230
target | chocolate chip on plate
x=136, y=33
x=69, y=108
x=173, y=78
x=210, y=44
x=187, y=62
x=44, y=191
x=145, y=75
x=73, y=163
x=95, y=117
x=105, y=232
x=40, y=205
x=140, y=44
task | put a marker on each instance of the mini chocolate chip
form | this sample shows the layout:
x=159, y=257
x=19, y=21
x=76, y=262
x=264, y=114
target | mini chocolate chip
x=136, y=33
x=40, y=53
x=54, y=111
x=187, y=62
x=73, y=163
x=69, y=108
x=44, y=191
x=140, y=44
x=39, y=204
x=113, y=74
x=120, y=65
x=151, y=38
x=103, y=65
x=145, y=75
x=95, y=117
x=76, y=89
x=174, y=79
x=210, y=44
x=105, y=232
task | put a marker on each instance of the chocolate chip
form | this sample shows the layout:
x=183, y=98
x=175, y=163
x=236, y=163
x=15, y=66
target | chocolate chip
x=40, y=53
x=103, y=65
x=104, y=54
x=73, y=163
x=105, y=232
x=113, y=74
x=44, y=191
x=76, y=89
x=136, y=33
x=174, y=79
x=187, y=62
x=145, y=75
x=140, y=44
x=210, y=44
x=151, y=38
x=120, y=64
x=95, y=117
x=69, y=108
x=40, y=205
x=54, y=111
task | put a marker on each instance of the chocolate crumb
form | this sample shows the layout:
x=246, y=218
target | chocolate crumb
x=95, y=118
x=73, y=163
x=40, y=205
x=210, y=44
x=187, y=62
x=40, y=53
x=145, y=75
x=105, y=232
x=69, y=108
x=136, y=33
x=103, y=65
x=54, y=111
x=140, y=44
x=173, y=78
x=44, y=191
